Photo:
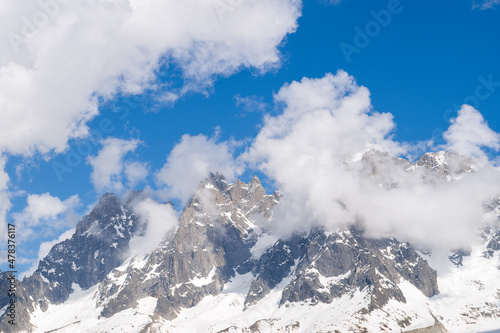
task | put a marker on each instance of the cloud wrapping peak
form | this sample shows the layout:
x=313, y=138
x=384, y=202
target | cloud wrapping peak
x=159, y=219
x=325, y=122
x=314, y=149
x=59, y=56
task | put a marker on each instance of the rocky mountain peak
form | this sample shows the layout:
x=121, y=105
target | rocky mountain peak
x=99, y=244
x=108, y=198
x=217, y=180
x=107, y=206
x=448, y=164
x=210, y=246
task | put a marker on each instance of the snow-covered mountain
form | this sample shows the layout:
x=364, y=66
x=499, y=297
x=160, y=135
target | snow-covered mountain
x=222, y=270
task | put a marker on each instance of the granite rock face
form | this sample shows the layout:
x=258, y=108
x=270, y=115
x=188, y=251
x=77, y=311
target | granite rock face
x=211, y=244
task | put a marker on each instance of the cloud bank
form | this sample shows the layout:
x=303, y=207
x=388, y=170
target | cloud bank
x=334, y=160
x=313, y=151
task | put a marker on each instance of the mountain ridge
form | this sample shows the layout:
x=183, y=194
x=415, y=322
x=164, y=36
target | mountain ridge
x=219, y=246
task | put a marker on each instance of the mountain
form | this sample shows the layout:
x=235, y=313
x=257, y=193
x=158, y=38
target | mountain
x=221, y=269
x=98, y=246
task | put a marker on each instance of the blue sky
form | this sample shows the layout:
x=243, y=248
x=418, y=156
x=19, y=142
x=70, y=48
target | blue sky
x=425, y=61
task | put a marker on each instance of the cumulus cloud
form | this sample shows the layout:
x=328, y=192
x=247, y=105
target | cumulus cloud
x=110, y=168
x=313, y=151
x=5, y=203
x=429, y=214
x=191, y=160
x=45, y=212
x=136, y=172
x=325, y=123
x=59, y=57
x=159, y=219
x=469, y=133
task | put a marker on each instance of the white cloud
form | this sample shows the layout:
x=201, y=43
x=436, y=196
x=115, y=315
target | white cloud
x=469, y=132
x=486, y=4
x=19, y=260
x=5, y=195
x=325, y=122
x=313, y=152
x=190, y=162
x=159, y=218
x=135, y=172
x=42, y=207
x=108, y=165
x=442, y=215
x=45, y=212
x=59, y=56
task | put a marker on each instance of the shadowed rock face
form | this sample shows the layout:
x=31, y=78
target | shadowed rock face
x=99, y=245
x=330, y=265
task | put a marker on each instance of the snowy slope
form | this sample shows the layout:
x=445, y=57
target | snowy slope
x=470, y=294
